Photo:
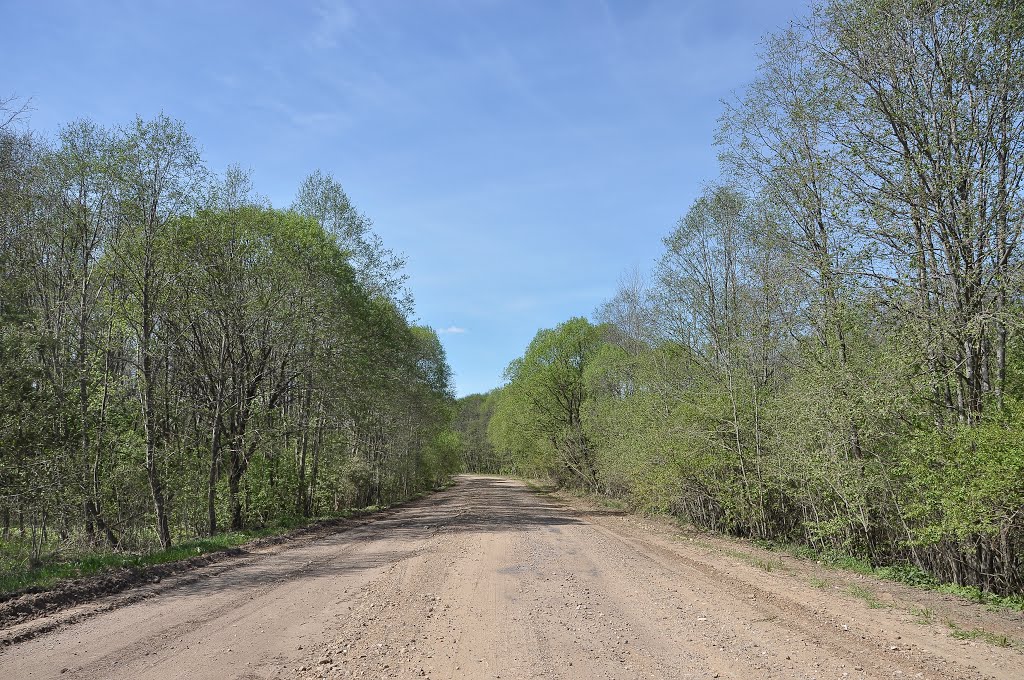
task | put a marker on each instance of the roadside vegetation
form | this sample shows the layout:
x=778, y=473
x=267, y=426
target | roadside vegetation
x=828, y=353
x=16, y=578
x=184, y=366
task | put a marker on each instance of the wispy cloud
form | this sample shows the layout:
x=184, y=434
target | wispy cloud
x=455, y=330
x=332, y=19
x=320, y=122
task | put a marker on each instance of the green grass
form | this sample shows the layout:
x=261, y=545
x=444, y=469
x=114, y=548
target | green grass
x=15, y=574
x=793, y=549
x=918, y=578
x=539, y=487
x=910, y=575
x=980, y=634
x=615, y=504
x=906, y=574
x=923, y=615
x=993, y=601
x=848, y=563
x=867, y=595
x=752, y=560
x=15, y=577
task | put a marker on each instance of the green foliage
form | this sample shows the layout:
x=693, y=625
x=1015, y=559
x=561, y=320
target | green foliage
x=473, y=416
x=965, y=481
x=14, y=575
x=829, y=353
x=178, y=356
x=909, y=574
x=443, y=458
x=538, y=416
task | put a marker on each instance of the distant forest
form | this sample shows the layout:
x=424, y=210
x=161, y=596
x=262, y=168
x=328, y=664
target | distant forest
x=178, y=357
x=829, y=351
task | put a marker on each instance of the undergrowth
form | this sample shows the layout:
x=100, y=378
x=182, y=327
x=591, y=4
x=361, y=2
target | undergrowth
x=900, y=573
x=906, y=574
x=16, y=575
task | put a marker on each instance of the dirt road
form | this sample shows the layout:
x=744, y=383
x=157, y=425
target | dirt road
x=491, y=580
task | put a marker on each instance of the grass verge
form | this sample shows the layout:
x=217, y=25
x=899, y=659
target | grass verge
x=45, y=575
x=905, y=574
x=16, y=578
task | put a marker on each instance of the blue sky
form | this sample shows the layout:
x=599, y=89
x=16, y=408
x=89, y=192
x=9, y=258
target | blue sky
x=522, y=154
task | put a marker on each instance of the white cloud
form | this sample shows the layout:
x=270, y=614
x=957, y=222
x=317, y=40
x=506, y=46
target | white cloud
x=453, y=330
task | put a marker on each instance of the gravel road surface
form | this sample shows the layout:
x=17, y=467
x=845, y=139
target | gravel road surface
x=490, y=579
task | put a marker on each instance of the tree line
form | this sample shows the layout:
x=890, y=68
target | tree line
x=179, y=357
x=829, y=350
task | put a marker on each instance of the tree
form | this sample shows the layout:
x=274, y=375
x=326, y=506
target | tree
x=471, y=420
x=538, y=417
x=177, y=352
x=159, y=178
x=378, y=268
x=81, y=193
x=931, y=121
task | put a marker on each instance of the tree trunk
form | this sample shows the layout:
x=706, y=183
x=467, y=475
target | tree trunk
x=234, y=478
x=149, y=408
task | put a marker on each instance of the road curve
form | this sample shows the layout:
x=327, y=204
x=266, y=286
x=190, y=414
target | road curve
x=491, y=580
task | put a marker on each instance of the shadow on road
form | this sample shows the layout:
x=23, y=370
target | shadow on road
x=474, y=504
x=477, y=504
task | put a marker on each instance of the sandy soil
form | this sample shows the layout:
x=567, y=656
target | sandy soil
x=491, y=580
